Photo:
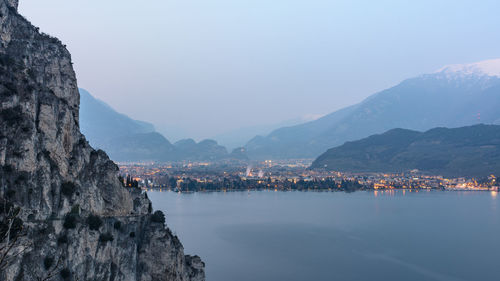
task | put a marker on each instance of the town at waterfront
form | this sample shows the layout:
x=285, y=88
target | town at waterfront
x=289, y=175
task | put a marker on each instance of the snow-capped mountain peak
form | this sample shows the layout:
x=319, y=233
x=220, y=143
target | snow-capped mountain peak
x=482, y=68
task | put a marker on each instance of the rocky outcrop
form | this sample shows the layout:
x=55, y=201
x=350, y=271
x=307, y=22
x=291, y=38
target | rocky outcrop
x=64, y=213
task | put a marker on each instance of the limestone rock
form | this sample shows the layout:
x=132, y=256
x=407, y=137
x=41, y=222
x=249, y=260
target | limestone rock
x=79, y=222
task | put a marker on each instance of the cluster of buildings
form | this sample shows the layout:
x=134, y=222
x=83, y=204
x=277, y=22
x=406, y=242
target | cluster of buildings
x=420, y=181
x=285, y=175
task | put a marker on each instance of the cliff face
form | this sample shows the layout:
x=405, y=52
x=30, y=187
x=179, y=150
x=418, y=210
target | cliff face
x=75, y=220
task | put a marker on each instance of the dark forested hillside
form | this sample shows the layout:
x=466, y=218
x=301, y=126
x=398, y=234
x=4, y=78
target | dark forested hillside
x=465, y=151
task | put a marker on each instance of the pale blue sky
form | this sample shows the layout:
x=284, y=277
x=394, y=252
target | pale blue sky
x=211, y=66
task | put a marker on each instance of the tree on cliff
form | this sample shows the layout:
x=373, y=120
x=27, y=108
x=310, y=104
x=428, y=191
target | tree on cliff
x=11, y=232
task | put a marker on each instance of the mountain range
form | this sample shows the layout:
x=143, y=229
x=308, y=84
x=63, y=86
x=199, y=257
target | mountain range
x=101, y=123
x=125, y=139
x=454, y=96
x=239, y=137
x=466, y=151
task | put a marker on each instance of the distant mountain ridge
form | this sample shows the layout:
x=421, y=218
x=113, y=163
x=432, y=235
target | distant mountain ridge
x=100, y=123
x=458, y=95
x=466, y=151
x=129, y=140
x=239, y=137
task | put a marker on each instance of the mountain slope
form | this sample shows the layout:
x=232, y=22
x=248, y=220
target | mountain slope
x=64, y=214
x=203, y=150
x=140, y=147
x=454, y=96
x=101, y=123
x=238, y=137
x=125, y=139
x=465, y=151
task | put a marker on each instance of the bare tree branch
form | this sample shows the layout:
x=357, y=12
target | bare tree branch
x=11, y=229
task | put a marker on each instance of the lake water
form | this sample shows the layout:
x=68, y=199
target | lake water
x=384, y=235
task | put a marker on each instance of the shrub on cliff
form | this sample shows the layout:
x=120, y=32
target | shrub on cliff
x=6, y=60
x=94, y=222
x=47, y=262
x=158, y=216
x=63, y=239
x=10, y=193
x=70, y=221
x=106, y=237
x=68, y=188
x=10, y=226
x=65, y=273
x=75, y=209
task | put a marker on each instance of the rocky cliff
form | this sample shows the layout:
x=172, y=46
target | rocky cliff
x=64, y=214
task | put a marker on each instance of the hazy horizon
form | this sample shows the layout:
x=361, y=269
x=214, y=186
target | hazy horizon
x=205, y=68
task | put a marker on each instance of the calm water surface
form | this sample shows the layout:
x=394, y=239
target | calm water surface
x=391, y=235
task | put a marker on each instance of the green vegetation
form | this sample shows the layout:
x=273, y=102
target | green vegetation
x=70, y=221
x=75, y=210
x=94, y=222
x=130, y=182
x=23, y=176
x=48, y=262
x=12, y=116
x=65, y=273
x=6, y=60
x=10, y=224
x=158, y=217
x=10, y=193
x=68, y=189
x=121, y=180
x=472, y=151
x=8, y=168
x=106, y=237
x=11, y=228
x=63, y=239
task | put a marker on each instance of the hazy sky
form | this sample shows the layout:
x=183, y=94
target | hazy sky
x=208, y=66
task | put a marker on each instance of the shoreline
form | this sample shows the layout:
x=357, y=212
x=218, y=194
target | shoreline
x=416, y=190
